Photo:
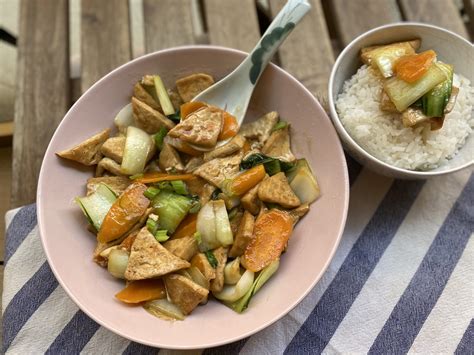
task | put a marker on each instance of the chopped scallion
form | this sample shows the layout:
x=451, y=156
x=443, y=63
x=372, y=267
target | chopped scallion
x=162, y=235
x=163, y=97
x=179, y=187
x=280, y=125
x=198, y=237
x=151, y=225
x=151, y=192
x=211, y=258
x=196, y=205
x=159, y=137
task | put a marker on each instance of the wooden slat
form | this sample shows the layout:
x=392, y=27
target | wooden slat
x=168, y=23
x=307, y=53
x=443, y=13
x=5, y=185
x=357, y=16
x=232, y=23
x=43, y=89
x=105, y=38
x=469, y=9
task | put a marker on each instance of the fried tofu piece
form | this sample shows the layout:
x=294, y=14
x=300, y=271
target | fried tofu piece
x=386, y=104
x=235, y=222
x=148, y=119
x=87, y=152
x=413, y=116
x=169, y=159
x=276, y=189
x=244, y=235
x=200, y=261
x=206, y=193
x=201, y=128
x=299, y=212
x=193, y=164
x=250, y=200
x=190, y=86
x=149, y=259
x=218, y=282
x=260, y=129
x=408, y=47
x=113, y=148
x=175, y=99
x=117, y=184
x=184, y=293
x=184, y=248
x=278, y=145
x=107, y=164
x=452, y=100
x=220, y=169
x=234, y=145
x=141, y=93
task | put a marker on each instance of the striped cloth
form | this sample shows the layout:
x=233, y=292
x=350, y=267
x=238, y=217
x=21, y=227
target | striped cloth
x=401, y=281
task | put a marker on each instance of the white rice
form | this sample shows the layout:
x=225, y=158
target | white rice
x=383, y=135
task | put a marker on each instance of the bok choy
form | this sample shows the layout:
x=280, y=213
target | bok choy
x=96, y=205
x=171, y=209
x=137, y=147
x=213, y=226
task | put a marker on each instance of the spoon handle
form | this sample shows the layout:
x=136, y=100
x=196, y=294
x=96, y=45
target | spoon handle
x=274, y=36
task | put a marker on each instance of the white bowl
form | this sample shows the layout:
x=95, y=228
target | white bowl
x=450, y=47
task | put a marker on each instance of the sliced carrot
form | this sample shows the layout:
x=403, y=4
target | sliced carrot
x=412, y=67
x=230, y=126
x=142, y=290
x=270, y=236
x=246, y=148
x=190, y=107
x=245, y=181
x=128, y=242
x=187, y=227
x=124, y=213
x=157, y=177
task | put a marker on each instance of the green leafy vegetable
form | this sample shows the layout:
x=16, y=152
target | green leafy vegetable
x=434, y=102
x=175, y=117
x=196, y=204
x=162, y=235
x=179, y=187
x=171, y=209
x=211, y=258
x=152, y=224
x=280, y=125
x=272, y=165
x=151, y=192
x=159, y=137
x=96, y=206
x=163, y=97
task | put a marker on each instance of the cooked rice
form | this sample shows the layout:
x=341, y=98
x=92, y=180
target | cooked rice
x=383, y=135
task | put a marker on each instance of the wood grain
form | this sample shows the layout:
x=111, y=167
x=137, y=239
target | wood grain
x=105, y=38
x=357, y=16
x=5, y=187
x=443, y=13
x=307, y=53
x=232, y=23
x=168, y=23
x=469, y=9
x=43, y=91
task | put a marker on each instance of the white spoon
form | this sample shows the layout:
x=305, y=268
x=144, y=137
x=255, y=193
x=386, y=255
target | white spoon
x=233, y=92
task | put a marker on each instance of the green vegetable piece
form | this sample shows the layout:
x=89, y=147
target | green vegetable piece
x=162, y=235
x=171, y=209
x=151, y=225
x=196, y=205
x=272, y=165
x=163, y=97
x=96, y=206
x=136, y=176
x=179, y=187
x=175, y=117
x=280, y=125
x=159, y=137
x=198, y=237
x=434, y=102
x=151, y=192
x=211, y=258
x=215, y=194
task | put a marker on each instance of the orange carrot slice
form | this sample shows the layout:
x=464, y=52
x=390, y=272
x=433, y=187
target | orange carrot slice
x=128, y=242
x=270, y=235
x=187, y=227
x=410, y=68
x=242, y=183
x=229, y=126
x=190, y=107
x=158, y=177
x=142, y=290
x=124, y=213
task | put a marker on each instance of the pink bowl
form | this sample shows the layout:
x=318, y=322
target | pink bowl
x=68, y=245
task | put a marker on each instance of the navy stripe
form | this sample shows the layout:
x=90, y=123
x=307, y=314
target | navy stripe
x=74, y=336
x=333, y=306
x=228, y=349
x=26, y=302
x=353, y=167
x=19, y=228
x=139, y=349
x=429, y=281
x=466, y=345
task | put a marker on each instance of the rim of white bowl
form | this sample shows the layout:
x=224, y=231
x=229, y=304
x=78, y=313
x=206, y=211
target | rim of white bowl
x=341, y=130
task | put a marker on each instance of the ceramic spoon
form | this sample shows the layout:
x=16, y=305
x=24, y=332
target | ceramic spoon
x=233, y=92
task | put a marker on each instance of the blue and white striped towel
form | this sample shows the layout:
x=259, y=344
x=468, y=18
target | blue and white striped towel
x=401, y=281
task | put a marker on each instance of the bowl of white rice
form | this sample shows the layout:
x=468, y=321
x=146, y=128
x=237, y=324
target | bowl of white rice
x=378, y=139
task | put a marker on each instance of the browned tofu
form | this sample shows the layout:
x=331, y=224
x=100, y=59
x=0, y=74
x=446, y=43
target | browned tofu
x=200, y=261
x=220, y=169
x=148, y=119
x=299, y=212
x=234, y=145
x=117, y=184
x=191, y=85
x=413, y=116
x=276, y=189
x=260, y=129
x=87, y=152
x=175, y=99
x=201, y=128
x=235, y=221
x=149, y=259
x=144, y=96
x=169, y=159
x=408, y=47
x=113, y=148
x=184, y=248
x=386, y=104
x=250, y=200
x=278, y=145
x=244, y=235
x=110, y=165
x=184, y=293
x=193, y=164
x=452, y=100
x=218, y=282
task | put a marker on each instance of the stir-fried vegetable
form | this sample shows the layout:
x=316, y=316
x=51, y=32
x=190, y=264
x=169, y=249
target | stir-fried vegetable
x=213, y=226
x=171, y=209
x=410, y=68
x=159, y=137
x=117, y=263
x=434, y=102
x=142, y=290
x=179, y=187
x=211, y=258
x=232, y=272
x=150, y=178
x=161, y=235
x=187, y=227
x=303, y=183
x=280, y=125
x=124, y=118
x=162, y=308
x=230, y=127
x=244, y=181
x=151, y=192
x=163, y=97
x=237, y=291
x=272, y=166
x=137, y=147
x=96, y=205
x=189, y=107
